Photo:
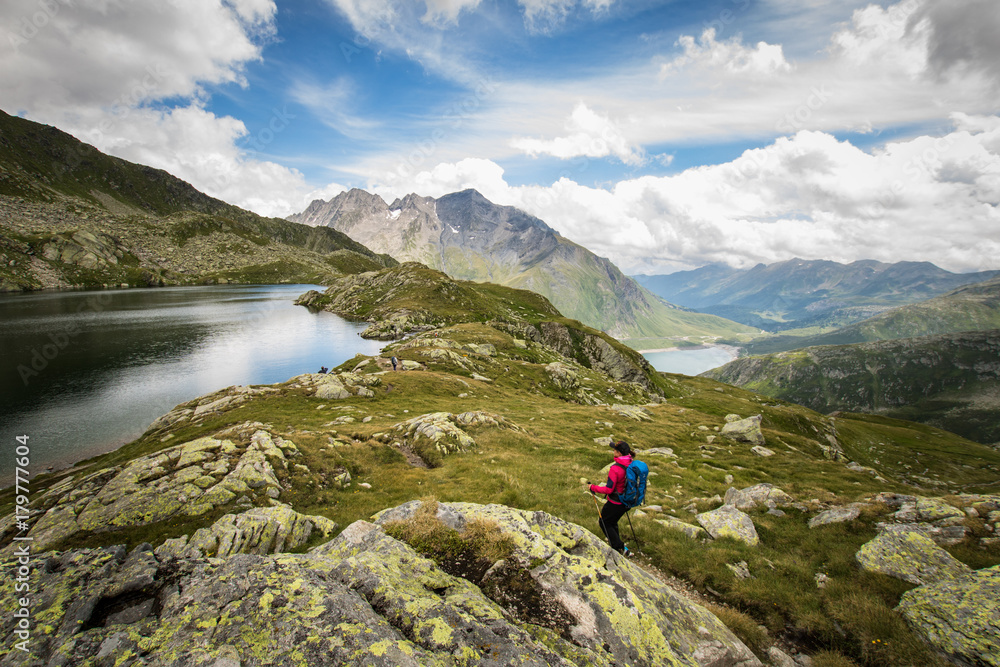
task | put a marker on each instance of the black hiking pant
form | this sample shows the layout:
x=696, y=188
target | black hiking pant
x=610, y=514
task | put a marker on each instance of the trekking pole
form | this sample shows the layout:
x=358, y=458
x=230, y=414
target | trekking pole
x=638, y=543
x=600, y=524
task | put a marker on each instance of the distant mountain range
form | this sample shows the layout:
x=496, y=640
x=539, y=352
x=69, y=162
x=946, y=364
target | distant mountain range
x=937, y=362
x=802, y=293
x=470, y=238
x=71, y=216
x=973, y=307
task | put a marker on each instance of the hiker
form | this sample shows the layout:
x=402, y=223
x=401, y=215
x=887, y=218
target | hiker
x=324, y=369
x=394, y=362
x=613, y=509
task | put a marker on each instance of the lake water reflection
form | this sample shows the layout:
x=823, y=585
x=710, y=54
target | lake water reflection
x=85, y=372
x=690, y=361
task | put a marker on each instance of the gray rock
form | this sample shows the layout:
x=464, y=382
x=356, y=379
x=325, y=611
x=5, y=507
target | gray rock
x=368, y=599
x=910, y=556
x=727, y=521
x=836, y=515
x=758, y=495
x=959, y=617
x=745, y=430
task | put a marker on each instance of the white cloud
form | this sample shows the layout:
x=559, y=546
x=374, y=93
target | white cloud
x=97, y=68
x=546, y=15
x=728, y=56
x=445, y=12
x=808, y=196
x=590, y=135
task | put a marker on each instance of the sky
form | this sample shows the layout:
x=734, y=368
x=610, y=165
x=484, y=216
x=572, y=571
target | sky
x=664, y=135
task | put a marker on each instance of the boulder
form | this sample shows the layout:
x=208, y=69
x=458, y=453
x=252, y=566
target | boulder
x=910, y=556
x=187, y=479
x=368, y=599
x=692, y=531
x=836, y=515
x=762, y=451
x=727, y=521
x=562, y=375
x=744, y=430
x=758, y=495
x=260, y=530
x=959, y=617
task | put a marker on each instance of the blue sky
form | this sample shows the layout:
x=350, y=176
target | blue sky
x=664, y=135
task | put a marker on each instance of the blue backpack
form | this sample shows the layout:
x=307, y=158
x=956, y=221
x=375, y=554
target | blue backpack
x=635, y=484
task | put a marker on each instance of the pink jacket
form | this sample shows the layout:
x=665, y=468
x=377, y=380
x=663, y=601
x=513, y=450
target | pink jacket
x=616, y=480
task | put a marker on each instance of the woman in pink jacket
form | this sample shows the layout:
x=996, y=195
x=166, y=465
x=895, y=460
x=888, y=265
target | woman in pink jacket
x=613, y=510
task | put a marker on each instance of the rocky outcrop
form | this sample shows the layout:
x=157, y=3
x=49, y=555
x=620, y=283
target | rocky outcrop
x=934, y=517
x=597, y=353
x=189, y=479
x=758, y=495
x=959, y=617
x=562, y=376
x=743, y=430
x=692, y=531
x=836, y=515
x=368, y=599
x=444, y=429
x=727, y=521
x=259, y=530
x=910, y=556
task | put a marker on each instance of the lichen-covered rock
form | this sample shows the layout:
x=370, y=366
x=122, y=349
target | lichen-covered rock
x=692, y=531
x=762, y=451
x=910, y=556
x=744, y=430
x=836, y=515
x=442, y=428
x=727, y=521
x=616, y=611
x=960, y=618
x=190, y=479
x=562, y=375
x=260, y=530
x=365, y=599
x=758, y=495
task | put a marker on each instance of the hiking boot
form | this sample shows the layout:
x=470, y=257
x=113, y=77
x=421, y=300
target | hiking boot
x=627, y=552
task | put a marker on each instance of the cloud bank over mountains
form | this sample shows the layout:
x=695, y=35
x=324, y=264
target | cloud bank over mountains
x=661, y=135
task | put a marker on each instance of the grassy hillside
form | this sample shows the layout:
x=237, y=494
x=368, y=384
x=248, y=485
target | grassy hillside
x=948, y=380
x=72, y=216
x=560, y=444
x=970, y=308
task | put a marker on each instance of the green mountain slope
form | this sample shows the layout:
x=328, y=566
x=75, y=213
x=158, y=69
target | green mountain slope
x=807, y=293
x=948, y=380
x=486, y=415
x=72, y=216
x=971, y=308
x=470, y=238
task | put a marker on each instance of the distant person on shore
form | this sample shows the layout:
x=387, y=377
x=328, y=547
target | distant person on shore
x=394, y=362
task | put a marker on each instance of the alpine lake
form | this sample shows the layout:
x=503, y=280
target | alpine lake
x=87, y=371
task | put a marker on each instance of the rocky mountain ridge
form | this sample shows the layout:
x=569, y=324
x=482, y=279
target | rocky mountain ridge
x=71, y=216
x=468, y=237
